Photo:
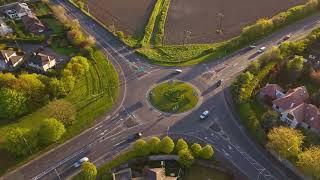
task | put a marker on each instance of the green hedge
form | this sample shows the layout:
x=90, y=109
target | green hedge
x=161, y=24
x=151, y=23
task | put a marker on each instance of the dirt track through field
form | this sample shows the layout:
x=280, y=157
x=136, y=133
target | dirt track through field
x=200, y=17
x=130, y=16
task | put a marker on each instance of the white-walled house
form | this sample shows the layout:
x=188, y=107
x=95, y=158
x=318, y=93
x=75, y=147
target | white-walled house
x=18, y=10
x=10, y=58
x=41, y=61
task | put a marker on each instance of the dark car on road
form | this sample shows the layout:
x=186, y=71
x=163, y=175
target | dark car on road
x=135, y=136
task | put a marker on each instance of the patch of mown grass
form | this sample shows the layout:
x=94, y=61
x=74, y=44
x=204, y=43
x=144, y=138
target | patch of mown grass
x=61, y=45
x=173, y=97
x=40, y=8
x=93, y=95
x=54, y=25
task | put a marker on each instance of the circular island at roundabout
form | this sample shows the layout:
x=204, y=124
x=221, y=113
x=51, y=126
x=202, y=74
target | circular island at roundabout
x=173, y=96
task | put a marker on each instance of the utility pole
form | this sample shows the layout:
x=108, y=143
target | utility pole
x=113, y=26
x=220, y=16
x=187, y=34
x=88, y=8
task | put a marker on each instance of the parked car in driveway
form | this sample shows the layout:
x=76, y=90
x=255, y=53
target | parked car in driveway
x=80, y=161
x=204, y=115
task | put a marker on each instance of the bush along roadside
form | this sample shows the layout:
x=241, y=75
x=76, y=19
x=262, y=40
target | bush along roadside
x=156, y=146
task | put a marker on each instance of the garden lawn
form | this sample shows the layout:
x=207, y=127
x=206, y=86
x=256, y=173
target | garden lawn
x=61, y=45
x=173, y=97
x=40, y=8
x=53, y=24
x=203, y=173
x=92, y=96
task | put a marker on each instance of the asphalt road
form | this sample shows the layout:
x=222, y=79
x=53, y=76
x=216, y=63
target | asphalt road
x=133, y=113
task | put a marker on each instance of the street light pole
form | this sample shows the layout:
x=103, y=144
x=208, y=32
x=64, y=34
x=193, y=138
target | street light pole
x=25, y=141
x=220, y=16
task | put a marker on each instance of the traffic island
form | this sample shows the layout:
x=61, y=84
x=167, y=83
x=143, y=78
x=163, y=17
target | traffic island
x=173, y=97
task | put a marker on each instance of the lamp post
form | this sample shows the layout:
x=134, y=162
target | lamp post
x=220, y=16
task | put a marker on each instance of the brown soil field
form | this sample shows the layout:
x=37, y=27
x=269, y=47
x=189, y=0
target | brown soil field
x=129, y=16
x=201, y=19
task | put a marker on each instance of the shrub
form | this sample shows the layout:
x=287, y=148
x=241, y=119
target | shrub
x=51, y=130
x=141, y=147
x=186, y=158
x=181, y=145
x=166, y=145
x=88, y=171
x=206, y=152
x=196, y=149
x=154, y=144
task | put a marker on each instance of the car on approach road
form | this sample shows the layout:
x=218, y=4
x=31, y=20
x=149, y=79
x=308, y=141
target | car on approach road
x=204, y=115
x=219, y=82
x=135, y=136
x=80, y=161
x=286, y=37
x=262, y=49
x=252, y=46
x=178, y=71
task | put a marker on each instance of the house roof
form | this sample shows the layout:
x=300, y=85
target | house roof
x=22, y=7
x=15, y=59
x=298, y=112
x=292, y=98
x=7, y=53
x=271, y=90
x=157, y=174
x=41, y=59
x=32, y=23
x=312, y=116
x=10, y=56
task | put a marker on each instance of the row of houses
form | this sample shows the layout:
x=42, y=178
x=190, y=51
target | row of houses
x=10, y=60
x=19, y=11
x=293, y=106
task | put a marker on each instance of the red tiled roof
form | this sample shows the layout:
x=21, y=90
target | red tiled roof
x=292, y=98
x=312, y=116
x=270, y=90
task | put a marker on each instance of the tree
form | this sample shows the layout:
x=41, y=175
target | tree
x=7, y=80
x=166, y=145
x=141, y=147
x=206, y=152
x=51, y=130
x=68, y=80
x=245, y=78
x=56, y=88
x=20, y=141
x=196, y=149
x=309, y=162
x=292, y=48
x=12, y=103
x=285, y=141
x=78, y=65
x=294, y=68
x=186, y=158
x=154, y=144
x=62, y=110
x=254, y=67
x=180, y=145
x=269, y=119
x=88, y=171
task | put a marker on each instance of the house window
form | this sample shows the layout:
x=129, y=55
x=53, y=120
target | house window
x=290, y=116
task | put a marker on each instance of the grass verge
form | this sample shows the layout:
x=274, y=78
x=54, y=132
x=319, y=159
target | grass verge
x=200, y=172
x=92, y=96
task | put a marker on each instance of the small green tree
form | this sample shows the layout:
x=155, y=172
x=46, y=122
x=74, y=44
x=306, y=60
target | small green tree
x=196, y=149
x=12, y=103
x=51, y=131
x=206, y=152
x=154, y=144
x=20, y=141
x=186, y=158
x=269, y=119
x=62, y=110
x=141, y=147
x=180, y=145
x=254, y=67
x=88, y=171
x=166, y=145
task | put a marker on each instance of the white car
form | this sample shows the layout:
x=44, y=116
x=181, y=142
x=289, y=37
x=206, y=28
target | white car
x=262, y=49
x=204, y=115
x=80, y=161
x=178, y=70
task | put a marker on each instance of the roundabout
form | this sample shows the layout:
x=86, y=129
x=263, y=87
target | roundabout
x=173, y=96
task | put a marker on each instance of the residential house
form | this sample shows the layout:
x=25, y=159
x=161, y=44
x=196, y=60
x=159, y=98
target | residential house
x=41, y=61
x=293, y=107
x=293, y=98
x=10, y=59
x=4, y=28
x=271, y=92
x=18, y=10
x=32, y=24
